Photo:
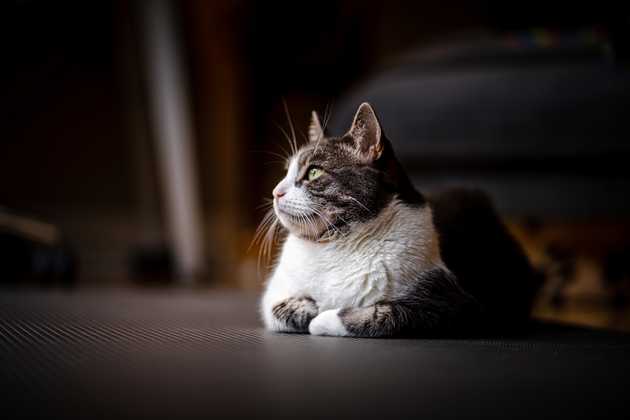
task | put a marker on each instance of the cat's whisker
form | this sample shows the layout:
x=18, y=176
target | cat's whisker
x=292, y=128
x=267, y=241
x=319, y=139
x=288, y=138
x=268, y=203
x=338, y=216
x=275, y=162
x=303, y=218
x=287, y=155
x=269, y=152
x=306, y=216
x=325, y=219
x=261, y=227
x=267, y=244
x=304, y=136
x=323, y=130
x=311, y=222
x=259, y=237
x=359, y=203
x=327, y=115
x=329, y=226
x=268, y=218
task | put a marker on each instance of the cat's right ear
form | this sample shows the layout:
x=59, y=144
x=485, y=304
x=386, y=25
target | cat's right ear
x=366, y=133
x=315, y=130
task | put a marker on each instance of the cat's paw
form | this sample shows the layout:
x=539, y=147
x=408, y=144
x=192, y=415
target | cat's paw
x=295, y=313
x=327, y=323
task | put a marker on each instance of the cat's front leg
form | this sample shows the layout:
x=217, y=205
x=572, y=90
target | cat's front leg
x=436, y=304
x=293, y=314
x=380, y=320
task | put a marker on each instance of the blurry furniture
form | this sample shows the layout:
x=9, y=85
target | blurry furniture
x=540, y=122
x=33, y=252
x=172, y=121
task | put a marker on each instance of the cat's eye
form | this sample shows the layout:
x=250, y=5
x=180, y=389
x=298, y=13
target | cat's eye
x=314, y=173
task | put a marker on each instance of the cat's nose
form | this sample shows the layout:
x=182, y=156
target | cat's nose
x=278, y=192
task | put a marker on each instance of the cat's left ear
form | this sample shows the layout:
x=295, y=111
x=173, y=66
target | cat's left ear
x=315, y=130
x=366, y=132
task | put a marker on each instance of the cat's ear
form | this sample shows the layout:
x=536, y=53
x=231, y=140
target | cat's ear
x=315, y=130
x=366, y=132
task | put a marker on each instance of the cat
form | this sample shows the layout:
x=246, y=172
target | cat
x=367, y=255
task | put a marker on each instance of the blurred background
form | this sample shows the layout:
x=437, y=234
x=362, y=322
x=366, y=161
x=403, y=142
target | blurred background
x=139, y=138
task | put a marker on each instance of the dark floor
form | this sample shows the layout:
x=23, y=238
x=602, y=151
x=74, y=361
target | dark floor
x=190, y=354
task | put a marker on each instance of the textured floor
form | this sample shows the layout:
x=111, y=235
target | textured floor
x=178, y=355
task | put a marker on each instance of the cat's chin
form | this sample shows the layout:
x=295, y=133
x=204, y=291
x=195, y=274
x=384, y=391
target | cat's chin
x=312, y=231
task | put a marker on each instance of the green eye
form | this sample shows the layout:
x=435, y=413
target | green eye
x=314, y=173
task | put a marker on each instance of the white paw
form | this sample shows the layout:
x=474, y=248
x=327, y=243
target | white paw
x=327, y=323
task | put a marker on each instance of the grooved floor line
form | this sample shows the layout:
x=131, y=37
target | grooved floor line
x=142, y=355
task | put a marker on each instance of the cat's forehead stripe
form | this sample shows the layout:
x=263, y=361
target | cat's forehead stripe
x=293, y=168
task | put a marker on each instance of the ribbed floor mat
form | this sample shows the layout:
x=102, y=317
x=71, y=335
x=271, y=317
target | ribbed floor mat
x=178, y=355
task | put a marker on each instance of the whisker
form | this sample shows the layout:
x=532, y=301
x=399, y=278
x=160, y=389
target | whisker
x=288, y=138
x=304, y=136
x=267, y=244
x=266, y=220
x=275, y=162
x=313, y=208
x=329, y=225
x=359, y=203
x=269, y=153
x=339, y=217
x=268, y=203
x=288, y=114
x=310, y=222
x=263, y=224
x=327, y=115
x=287, y=155
x=259, y=236
x=319, y=139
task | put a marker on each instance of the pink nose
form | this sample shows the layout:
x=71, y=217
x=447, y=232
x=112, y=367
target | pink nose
x=277, y=192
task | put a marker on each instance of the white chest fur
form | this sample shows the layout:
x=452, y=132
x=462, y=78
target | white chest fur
x=376, y=260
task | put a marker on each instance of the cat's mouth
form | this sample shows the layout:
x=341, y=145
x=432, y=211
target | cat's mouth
x=303, y=222
x=295, y=217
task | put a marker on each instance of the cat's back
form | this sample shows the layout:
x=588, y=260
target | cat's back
x=477, y=247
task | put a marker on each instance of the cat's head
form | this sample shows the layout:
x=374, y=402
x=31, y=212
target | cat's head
x=334, y=183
